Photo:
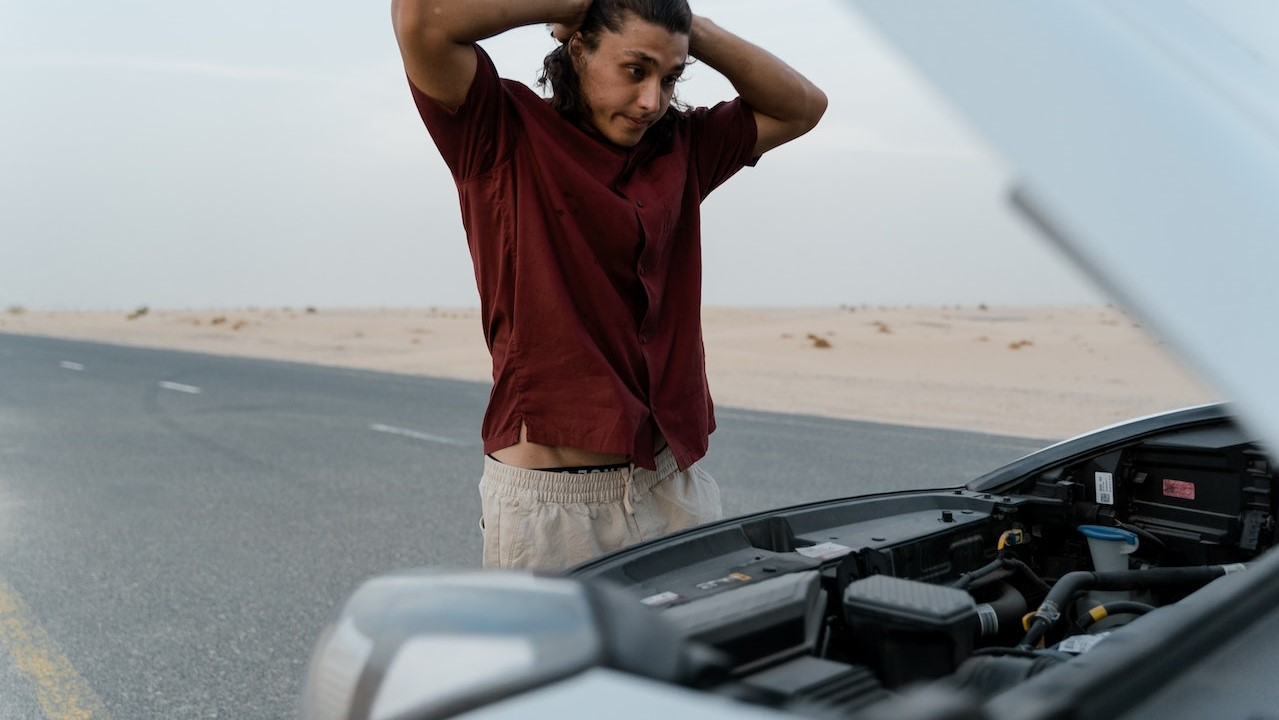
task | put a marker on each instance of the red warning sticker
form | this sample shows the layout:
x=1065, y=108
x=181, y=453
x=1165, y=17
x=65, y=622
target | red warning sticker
x=1179, y=489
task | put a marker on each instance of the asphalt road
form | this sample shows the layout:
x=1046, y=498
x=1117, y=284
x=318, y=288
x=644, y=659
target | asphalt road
x=176, y=528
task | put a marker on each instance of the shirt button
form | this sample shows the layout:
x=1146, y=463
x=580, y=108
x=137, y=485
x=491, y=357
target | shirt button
x=643, y=339
x=639, y=203
x=641, y=270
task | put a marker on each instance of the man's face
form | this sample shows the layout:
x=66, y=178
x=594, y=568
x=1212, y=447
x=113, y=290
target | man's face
x=628, y=81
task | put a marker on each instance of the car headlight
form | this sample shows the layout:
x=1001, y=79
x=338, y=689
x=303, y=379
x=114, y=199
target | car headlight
x=430, y=644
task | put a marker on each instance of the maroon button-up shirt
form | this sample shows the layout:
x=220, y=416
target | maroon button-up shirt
x=588, y=261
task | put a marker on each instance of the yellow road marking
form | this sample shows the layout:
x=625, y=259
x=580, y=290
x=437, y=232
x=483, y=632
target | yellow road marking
x=62, y=693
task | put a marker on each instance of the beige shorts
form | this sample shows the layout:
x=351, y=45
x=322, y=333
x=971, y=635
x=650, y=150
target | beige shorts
x=552, y=521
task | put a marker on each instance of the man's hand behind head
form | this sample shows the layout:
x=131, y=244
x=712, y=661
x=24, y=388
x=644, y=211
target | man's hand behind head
x=561, y=31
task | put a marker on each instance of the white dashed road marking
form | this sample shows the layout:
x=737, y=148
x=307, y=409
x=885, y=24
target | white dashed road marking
x=68, y=365
x=193, y=390
x=376, y=427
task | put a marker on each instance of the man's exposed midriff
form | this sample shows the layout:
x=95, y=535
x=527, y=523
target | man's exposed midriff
x=531, y=455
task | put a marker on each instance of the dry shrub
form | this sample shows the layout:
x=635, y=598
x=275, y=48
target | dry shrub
x=818, y=341
x=1019, y=344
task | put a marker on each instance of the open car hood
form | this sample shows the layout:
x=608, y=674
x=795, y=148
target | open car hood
x=1144, y=136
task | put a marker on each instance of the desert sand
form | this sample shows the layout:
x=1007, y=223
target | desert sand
x=1032, y=372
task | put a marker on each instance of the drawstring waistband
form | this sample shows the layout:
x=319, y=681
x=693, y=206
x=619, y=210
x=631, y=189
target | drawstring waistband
x=626, y=488
x=625, y=484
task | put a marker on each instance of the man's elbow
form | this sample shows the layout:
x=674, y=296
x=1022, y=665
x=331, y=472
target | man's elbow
x=800, y=112
x=411, y=19
x=814, y=108
x=807, y=112
x=404, y=17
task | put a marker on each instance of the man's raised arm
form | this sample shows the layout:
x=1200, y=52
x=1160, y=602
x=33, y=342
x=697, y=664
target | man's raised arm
x=435, y=36
x=786, y=103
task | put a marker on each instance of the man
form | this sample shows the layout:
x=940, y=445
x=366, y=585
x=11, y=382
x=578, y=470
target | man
x=582, y=216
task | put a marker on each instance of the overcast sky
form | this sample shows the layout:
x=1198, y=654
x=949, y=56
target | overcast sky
x=249, y=153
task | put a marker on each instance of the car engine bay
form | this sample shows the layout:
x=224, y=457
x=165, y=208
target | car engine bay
x=828, y=609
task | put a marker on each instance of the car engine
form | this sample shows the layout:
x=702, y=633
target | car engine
x=827, y=609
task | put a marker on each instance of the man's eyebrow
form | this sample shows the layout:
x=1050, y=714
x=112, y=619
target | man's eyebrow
x=647, y=59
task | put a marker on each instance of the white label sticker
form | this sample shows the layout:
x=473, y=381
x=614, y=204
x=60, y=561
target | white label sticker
x=1105, y=488
x=659, y=599
x=1076, y=644
x=824, y=551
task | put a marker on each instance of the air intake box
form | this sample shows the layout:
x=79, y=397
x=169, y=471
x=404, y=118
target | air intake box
x=907, y=630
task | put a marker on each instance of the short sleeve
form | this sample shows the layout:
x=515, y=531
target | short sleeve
x=722, y=142
x=479, y=134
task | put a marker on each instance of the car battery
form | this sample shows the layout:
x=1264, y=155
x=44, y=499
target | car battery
x=906, y=630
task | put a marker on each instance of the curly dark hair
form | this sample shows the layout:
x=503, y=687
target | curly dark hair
x=605, y=15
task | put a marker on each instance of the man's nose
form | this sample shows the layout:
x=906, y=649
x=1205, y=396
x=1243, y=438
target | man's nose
x=650, y=95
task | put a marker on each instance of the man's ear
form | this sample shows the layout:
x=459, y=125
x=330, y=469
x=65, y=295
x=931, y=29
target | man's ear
x=576, y=46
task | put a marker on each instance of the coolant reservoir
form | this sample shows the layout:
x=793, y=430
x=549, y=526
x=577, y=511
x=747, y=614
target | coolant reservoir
x=1110, y=548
